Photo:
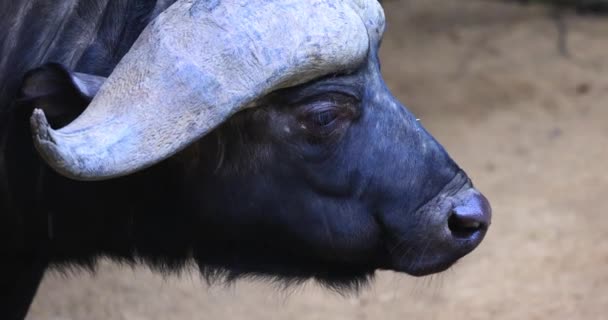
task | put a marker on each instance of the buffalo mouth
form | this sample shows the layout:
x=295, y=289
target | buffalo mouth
x=451, y=226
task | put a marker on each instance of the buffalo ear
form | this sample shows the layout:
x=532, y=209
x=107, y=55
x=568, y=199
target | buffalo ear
x=61, y=93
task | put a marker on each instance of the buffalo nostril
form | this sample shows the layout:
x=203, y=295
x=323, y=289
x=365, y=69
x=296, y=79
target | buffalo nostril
x=472, y=215
x=464, y=226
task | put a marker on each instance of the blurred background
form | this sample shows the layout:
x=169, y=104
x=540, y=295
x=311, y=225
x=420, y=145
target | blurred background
x=517, y=91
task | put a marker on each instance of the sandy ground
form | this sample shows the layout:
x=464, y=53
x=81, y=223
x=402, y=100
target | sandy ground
x=528, y=124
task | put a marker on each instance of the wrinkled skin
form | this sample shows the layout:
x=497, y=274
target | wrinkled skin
x=330, y=180
x=344, y=194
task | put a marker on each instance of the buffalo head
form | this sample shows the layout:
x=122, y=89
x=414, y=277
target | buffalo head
x=294, y=158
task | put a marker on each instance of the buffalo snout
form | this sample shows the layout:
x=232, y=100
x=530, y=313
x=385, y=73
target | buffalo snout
x=448, y=227
x=470, y=217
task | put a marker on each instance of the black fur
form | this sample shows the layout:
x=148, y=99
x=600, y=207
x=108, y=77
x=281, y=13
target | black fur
x=324, y=181
x=85, y=35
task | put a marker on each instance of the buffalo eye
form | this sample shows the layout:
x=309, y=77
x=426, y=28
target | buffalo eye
x=326, y=116
x=323, y=118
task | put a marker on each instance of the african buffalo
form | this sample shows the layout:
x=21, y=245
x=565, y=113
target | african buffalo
x=252, y=137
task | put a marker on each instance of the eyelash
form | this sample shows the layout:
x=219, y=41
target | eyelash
x=323, y=116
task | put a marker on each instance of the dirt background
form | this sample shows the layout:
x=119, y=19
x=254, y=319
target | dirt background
x=529, y=125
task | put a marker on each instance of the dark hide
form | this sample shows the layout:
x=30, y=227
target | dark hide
x=243, y=202
x=86, y=36
x=329, y=180
x=89, y=36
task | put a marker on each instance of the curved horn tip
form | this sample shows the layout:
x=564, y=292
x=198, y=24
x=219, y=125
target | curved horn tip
x=45, y=144
x=40, y=127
